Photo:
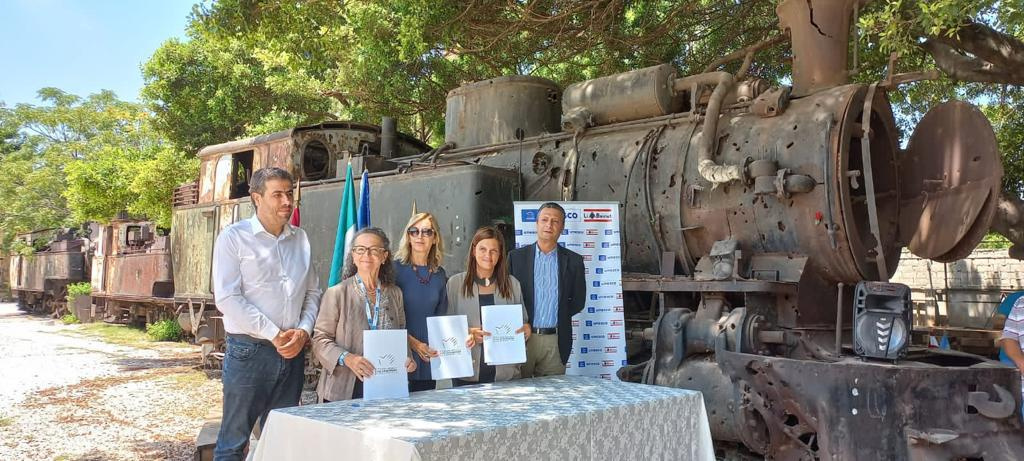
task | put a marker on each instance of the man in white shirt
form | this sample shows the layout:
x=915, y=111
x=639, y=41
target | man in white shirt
x=264, y=285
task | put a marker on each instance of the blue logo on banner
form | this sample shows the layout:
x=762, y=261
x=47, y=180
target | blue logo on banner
x=519, y=232
x=583, y=350
x=593, y=297
x=598, y=270
x=591, y=310
x=607, y=232
x=590, y=323
x=565, y=231
x=529, y=215
x=623, y=363
x=561, y=244
x=601, y=257
x=597, y=283
x=604, y=244
x=583, y=364
x=586, y=336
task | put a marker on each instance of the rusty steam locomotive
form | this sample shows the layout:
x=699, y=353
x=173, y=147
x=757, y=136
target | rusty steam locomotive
x=759, y=227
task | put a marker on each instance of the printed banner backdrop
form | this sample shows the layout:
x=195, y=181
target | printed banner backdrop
x=599, y=333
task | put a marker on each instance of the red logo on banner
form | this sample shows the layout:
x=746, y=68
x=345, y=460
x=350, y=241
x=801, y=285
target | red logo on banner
x=610, y=350
x=575, y=323
x=619, y=309
x=614, y=335
x=588, y=257
x=606, y=376
x=597, y=215
x=607, y=363
x=588, y=244
x=591, y=231
x=615, y=323
x=618, y=296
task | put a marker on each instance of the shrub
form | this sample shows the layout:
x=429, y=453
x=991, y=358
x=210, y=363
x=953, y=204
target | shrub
x=68, y=319
x=78, y=289
x=164, y=330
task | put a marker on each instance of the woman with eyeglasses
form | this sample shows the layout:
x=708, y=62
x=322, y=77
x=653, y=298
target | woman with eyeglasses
x=418, y=273
x=366, y=299
x=486, y=282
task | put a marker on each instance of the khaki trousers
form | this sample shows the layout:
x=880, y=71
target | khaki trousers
x=542, y=358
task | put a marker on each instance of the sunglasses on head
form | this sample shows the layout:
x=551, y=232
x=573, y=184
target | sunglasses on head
x=415, y=232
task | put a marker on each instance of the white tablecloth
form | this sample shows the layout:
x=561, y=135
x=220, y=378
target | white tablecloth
x=559, y=418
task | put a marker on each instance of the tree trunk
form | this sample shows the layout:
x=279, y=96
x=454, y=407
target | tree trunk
x=1009, y=222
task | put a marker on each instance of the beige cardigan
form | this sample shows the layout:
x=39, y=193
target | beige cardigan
x=470, y=307
x=339, y=326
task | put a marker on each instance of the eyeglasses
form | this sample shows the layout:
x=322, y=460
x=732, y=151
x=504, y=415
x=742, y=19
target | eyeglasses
x=374, y=251
x=415, y=232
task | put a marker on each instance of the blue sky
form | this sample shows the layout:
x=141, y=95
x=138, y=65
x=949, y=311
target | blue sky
x=82, y=46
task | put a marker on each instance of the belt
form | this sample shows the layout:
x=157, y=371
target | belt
x=248, y=338
x=545, y=331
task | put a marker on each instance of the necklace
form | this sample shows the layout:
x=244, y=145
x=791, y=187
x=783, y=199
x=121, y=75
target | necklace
x=416, y=272
x=484, y=282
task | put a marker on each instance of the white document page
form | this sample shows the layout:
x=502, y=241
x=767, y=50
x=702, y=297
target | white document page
x=447, y=335
x=387, y=351
x=504, y=346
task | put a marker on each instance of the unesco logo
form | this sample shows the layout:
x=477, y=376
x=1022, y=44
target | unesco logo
x=598, y=270
x=572, y=214
x=593, y=297
x=608, y=232
x=529, y=215
x=519, y=232
x=583, y=350
x=582, y=364
x=591, y=310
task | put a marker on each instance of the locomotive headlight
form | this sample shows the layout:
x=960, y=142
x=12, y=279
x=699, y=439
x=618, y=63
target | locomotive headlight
x=881, y=320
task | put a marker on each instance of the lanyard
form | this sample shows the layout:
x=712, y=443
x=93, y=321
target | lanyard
x=373, y=319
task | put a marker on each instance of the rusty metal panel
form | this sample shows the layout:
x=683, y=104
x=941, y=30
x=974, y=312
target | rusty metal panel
x=207, y=179
x=192, y=235
x=222, y=178
x=140, y=274
x=277, y=153
x=101, y=250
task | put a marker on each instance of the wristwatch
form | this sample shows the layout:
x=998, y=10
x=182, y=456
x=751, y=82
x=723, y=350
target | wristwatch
x=341, y=360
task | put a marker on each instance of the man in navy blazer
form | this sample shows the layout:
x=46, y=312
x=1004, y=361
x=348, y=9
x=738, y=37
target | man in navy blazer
x=554, y=289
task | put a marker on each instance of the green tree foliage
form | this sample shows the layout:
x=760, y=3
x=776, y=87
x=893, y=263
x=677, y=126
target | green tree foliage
x=72, y=159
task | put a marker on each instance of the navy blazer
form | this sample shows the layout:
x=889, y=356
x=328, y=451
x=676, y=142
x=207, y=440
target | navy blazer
x=572, y=288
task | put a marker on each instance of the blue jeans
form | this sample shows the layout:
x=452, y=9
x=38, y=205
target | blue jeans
x=256, y=380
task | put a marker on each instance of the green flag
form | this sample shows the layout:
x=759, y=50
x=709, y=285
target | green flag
x=346, y=228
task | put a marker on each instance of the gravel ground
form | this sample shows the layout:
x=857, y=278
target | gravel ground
x=66, y=395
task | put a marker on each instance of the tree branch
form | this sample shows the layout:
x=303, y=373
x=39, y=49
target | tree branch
x=959, y=66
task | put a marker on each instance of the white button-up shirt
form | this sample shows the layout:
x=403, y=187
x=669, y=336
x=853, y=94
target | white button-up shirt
x=262, y=283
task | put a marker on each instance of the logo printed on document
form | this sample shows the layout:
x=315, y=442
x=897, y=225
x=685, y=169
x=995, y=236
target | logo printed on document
x=386, y=365
x=450, y=347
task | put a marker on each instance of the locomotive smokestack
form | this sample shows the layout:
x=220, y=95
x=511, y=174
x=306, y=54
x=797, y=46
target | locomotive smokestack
x=820, y=32
x=388, y=136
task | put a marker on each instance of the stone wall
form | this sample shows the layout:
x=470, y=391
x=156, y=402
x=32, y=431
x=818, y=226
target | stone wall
x=965, y=293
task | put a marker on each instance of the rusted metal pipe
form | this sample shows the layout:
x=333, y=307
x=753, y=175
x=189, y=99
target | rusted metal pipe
x=839, y=320
x=706, y=166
